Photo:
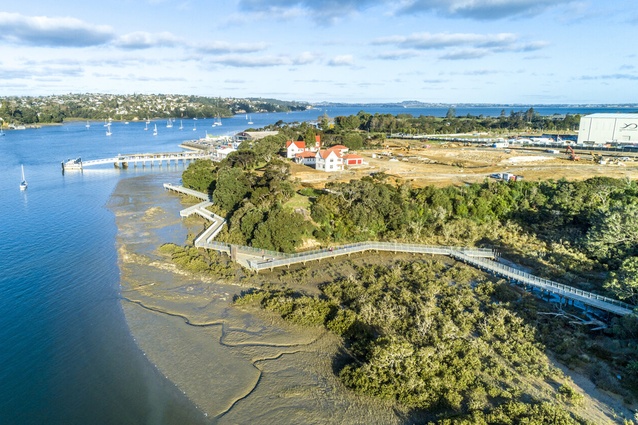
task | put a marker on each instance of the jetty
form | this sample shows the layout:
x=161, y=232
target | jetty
x=123, y=161
x=485, y=259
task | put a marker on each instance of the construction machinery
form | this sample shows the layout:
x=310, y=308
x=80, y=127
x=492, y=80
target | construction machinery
x=571, y=155
x=598, y=159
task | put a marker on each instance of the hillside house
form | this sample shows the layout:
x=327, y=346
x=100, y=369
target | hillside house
x=293, y=148
x=329, y=160
x=306, y=158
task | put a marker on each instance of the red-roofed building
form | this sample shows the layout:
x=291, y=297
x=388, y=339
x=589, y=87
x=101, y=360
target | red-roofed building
x=329, y=160
x=293, y=148
x=339, y=148
x=306, y=158
x=352, y=159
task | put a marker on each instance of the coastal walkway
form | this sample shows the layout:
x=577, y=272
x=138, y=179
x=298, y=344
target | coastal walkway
x=482, y=258
x=123, y=161
x=545, y=285
x=200, y=209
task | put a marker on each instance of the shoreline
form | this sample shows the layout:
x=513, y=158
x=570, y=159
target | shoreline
x=234, y=365
x=237, y=365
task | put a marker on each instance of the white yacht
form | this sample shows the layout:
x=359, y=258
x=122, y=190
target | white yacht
x=23, y=183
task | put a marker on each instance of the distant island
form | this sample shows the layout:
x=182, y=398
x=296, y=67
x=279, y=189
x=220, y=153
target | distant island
x=418, y=104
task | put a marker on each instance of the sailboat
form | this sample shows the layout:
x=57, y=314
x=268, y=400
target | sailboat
x=181, y=126
x=250, y=121
x=146, y=127
x=218, y=121
x=194, y=124
x=169, y=123
x=155, y=130
x=23, y=183
x=87, y=125
x=108, y=130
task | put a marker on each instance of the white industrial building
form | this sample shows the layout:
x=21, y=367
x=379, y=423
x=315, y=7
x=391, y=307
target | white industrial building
x=600, y=129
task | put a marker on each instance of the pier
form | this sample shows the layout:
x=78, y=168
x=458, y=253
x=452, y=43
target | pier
x=257, y=259
x=123, y=161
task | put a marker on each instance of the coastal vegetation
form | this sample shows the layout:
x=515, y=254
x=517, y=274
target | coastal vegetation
x=98, y=106
x=445, y=340
x=442, y=340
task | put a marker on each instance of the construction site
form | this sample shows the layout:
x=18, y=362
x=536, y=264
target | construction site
x=449, y=163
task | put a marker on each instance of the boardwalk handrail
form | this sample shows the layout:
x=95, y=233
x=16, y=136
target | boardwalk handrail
x=141, y=157
x=302, y=257
x=187, y=191
x=527, y=278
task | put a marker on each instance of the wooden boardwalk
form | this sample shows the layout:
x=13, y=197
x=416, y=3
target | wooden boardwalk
x=186, y=191
x=260, y=259
x=564, y=291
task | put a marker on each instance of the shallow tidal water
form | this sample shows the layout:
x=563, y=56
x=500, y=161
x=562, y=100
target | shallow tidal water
x=236, y=366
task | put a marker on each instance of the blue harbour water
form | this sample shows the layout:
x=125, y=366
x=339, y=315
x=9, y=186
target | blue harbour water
x=67, y=356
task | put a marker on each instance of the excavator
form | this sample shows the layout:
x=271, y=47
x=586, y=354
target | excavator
x=572, y=155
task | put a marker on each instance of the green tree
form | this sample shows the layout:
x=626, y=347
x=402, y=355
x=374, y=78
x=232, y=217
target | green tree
x=353, y=141
x=614, y=234
x=624, y=282
x=231, y=188
x=281, y=231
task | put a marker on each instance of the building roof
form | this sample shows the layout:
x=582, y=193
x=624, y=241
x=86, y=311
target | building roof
x=353, y=156
x=338, y=147
x=256, y=135
x=305, y=154
x=300, y=144
x=612, y=115
x=325, y=153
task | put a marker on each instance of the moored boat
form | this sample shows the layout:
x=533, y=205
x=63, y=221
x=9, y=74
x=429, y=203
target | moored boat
x=23, y=183
x=72, y=164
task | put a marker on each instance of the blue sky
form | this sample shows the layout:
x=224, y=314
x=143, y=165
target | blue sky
x=447, y=51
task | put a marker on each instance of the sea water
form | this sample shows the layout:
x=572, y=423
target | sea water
x=66, y=355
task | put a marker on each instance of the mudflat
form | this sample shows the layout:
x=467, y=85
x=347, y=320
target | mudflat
x=236, y=366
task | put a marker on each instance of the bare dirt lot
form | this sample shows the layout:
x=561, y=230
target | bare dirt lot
x=455, y=164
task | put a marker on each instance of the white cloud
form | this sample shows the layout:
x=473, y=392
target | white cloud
x=227, y=47
x=146, y=40
x=52, y=32
x=341, y=60
x=442, y=40
x=322, y=11
x=481, y=9
x=247, y=61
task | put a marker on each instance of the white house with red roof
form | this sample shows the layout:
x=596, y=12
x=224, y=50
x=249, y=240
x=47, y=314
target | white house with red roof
x=329, y=160
x=293, y=148
x=306, y=158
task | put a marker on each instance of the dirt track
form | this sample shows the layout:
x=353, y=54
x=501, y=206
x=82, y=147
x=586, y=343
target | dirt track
x=455, y=164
